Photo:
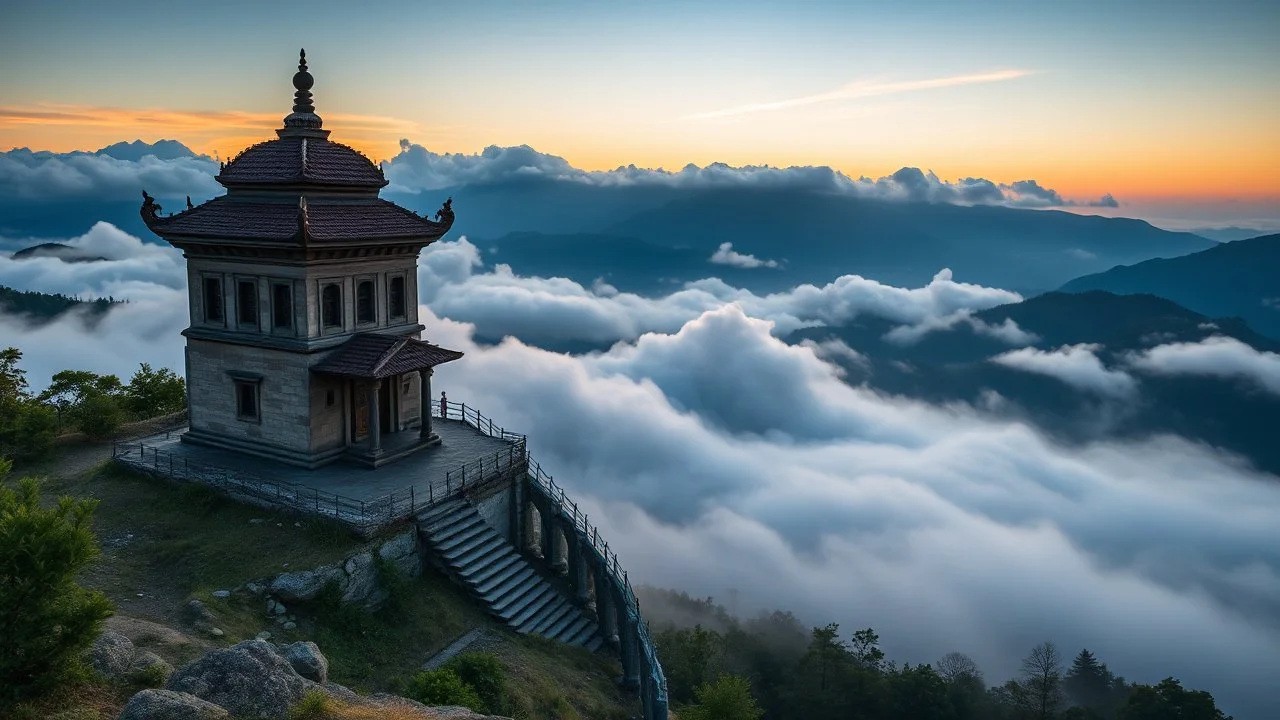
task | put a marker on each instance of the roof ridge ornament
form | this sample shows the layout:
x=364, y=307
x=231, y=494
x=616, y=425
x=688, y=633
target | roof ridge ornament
x=304, y=222
x=303, y=121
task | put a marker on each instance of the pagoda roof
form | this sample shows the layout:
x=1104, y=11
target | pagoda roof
x=297, y=219
x=294, y=160
x=375, y=355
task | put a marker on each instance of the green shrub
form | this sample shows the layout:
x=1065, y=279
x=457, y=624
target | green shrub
x=313, y=706
x=443, y=687
x=99, y=416
x=155, y=392
x=151, y=676
x=46, y=619
x=485, y=675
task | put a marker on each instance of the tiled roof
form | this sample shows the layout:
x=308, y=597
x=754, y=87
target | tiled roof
x=374, y=355
x=327, y=221
x=293, y=160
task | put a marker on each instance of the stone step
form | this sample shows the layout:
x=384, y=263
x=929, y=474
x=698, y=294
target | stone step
x=435, y=511
x=518, y=584
x=545, y=624
x=476, y=531
x=504, y=598
x=458, y=527
x=567, y=627
x=480, y=554
x=499, y=569
x=581, y=636
x=529, y=603
x=545, y=603
x=501, y=578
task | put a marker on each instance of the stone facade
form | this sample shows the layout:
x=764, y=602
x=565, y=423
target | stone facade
x=303, y=418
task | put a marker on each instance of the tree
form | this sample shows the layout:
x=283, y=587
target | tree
x=46, y=619
x=965, y=685
x=866, y=649
x=88, y=401
x=155, y=392
x=1042, y=681
x=728, y=698
x=26, y=425
x=689, y=658
x=919, y=693
x=1169, y=699
x=1088, y=684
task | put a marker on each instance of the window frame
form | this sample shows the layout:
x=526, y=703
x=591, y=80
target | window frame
x=372, y=304
x=287, y=329
x=208, y=280
x=255, y=322
x=239, y=382
x=325, y=326
x=404, y=297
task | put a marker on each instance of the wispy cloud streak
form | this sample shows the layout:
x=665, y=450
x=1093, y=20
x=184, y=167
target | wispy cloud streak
x=861, y=89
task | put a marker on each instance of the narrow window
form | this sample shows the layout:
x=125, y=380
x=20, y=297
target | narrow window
x=328, y=399
x=331, y=303
x=365, y=309
x=213, y=300
x=246, y=400
x=247, y=302
x=281, y=306
x=397, y=297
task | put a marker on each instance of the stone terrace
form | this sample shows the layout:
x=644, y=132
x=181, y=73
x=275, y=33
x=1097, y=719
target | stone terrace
x=420, y=476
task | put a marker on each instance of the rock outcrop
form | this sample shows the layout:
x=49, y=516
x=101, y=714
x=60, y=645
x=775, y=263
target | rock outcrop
x=357, y=578
x=169, y=705
x=256, y=679
x=114, y=657
x=249, y=679
x=307, y=660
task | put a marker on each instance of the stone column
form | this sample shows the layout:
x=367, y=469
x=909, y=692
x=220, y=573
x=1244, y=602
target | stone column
x=631, y=655
x=606, y=609
x=375, y=419
x=424, y=412
x=556, y=555
x=580, y=576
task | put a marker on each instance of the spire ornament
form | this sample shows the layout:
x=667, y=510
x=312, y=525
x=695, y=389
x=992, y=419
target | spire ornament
x=303, y=121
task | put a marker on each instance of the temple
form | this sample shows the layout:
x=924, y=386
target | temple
x=304, y=344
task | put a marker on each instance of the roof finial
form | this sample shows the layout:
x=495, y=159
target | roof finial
x=303, y=121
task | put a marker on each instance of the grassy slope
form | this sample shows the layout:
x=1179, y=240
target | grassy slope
x=164, y=545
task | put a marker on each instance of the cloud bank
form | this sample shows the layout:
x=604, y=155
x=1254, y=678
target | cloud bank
x=417, y=169
x=715, y=457
x=726, y=255
x=47, y=175
x=1216, y=356
x=1075, y=365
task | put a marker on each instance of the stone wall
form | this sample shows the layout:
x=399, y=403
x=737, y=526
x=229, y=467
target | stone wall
x=495, y=508
x=284, y=402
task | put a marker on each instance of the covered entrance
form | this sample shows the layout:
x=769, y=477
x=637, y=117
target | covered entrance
x=378, y=371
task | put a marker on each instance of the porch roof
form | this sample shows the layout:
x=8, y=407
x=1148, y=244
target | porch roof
x=374, y=355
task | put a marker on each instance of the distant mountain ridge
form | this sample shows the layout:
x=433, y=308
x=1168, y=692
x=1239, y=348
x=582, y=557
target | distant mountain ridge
x=1240, y=278
x=136, y=150
x=954, y=365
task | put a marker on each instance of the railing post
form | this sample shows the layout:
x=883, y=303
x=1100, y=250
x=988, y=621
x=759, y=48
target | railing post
x=413, y=502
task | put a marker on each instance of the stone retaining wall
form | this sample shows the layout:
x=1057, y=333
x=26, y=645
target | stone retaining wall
x=357, y=576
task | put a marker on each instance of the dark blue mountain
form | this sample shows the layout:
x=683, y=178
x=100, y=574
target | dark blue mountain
x=1240, y=278
x=136, y=150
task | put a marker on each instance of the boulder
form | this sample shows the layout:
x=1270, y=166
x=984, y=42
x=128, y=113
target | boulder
x=169, y=705
x=249, y=679
x=145, y=661
x=198, y=613
x=362, y=584
x=112, y=655
x=307, y=660
x=304, y=584
x=401, y=552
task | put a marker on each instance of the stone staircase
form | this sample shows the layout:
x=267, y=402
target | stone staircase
x=491, y=569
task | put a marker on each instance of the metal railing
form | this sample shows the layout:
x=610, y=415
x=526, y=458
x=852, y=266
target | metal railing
x=366, y=516
x=568, y=512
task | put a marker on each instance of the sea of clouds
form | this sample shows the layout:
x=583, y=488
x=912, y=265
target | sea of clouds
x=42, y=175
x=717, y=457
